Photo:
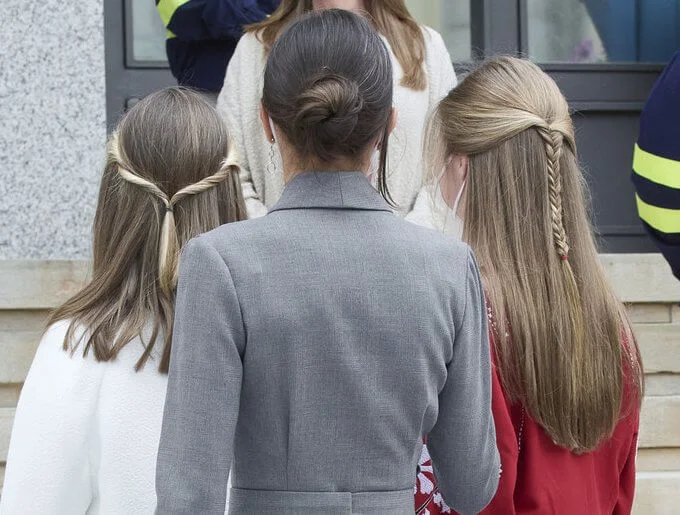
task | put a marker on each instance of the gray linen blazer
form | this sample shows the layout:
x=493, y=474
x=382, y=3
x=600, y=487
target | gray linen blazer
x=317, y=346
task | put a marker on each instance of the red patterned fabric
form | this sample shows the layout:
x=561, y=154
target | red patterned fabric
x=428, y=500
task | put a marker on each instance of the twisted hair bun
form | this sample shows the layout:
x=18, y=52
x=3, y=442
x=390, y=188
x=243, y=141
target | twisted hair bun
x=328, y=87
x=329, y=108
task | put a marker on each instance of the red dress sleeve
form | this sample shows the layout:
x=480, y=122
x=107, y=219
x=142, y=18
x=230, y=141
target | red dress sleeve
x=508, y=448
x=624, y=504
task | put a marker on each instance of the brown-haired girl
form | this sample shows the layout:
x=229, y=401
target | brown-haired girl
x=88, y=422
x=423, y=74
x=568, y=378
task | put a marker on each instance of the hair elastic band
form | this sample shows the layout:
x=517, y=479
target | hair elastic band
x=169, y=208
x=564, y=258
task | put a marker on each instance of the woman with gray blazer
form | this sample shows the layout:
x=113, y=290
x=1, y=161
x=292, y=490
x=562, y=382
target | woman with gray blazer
x=315, y=347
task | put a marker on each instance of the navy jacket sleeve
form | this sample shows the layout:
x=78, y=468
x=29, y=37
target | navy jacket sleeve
x=656, y=164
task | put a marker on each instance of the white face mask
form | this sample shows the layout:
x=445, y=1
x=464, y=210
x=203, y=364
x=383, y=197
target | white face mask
x=453, y=224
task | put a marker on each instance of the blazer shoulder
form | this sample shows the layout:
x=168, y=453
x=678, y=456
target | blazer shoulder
x=236, y=233
x=433, y=240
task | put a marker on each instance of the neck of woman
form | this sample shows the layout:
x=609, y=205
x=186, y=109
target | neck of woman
x=354, y=5
x=340, y=165
x=294, y=164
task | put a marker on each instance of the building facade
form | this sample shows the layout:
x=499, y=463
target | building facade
x=69, y=69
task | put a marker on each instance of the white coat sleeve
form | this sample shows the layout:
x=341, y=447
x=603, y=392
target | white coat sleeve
x=230, y=105
x=48, y=462
x=441, y=80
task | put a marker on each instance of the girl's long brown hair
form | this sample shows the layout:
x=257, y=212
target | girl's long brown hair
x=167, y=179
x=568, y=351
x=390, y=18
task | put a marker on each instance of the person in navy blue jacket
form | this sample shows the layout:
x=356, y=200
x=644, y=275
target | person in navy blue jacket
x=656, y=164
x=202, y=36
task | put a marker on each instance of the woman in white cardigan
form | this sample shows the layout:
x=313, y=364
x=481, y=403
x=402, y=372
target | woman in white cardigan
x=423, y=75
x=88, y=423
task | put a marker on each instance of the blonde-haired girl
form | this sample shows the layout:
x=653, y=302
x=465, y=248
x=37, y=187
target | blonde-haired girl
x=568, y=377
x=88, y=422
x=423, y=74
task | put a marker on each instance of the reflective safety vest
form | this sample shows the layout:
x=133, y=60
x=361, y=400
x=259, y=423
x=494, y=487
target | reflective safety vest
x=202, y=36
x=656, y=164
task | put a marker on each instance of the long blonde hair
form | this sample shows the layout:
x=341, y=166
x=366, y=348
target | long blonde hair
x=390, y=18
x=167, y=178
x=564, y=345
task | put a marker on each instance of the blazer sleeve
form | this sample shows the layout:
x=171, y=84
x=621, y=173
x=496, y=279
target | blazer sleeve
x=48, y=462
x=463, y=441
x=204, y=385
x=239, y=80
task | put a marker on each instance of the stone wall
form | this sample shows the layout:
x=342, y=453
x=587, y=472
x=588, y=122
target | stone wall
x=644, y=282
x=53, y=112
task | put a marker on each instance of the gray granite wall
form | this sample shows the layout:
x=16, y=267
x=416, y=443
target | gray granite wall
x=52, y=126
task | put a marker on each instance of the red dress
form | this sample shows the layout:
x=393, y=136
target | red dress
x=539, y=477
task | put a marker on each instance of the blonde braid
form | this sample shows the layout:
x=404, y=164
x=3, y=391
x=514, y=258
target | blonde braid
x=554, y=140
x=168, y=252
x=553, y=149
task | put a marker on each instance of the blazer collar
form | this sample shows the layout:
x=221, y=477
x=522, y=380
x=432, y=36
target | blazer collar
x=330, y=190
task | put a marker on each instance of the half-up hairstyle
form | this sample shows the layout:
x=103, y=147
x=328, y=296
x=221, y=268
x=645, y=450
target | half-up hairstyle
x=168, y=177
x=390, y=18
x=328, y=86
x=564, y=344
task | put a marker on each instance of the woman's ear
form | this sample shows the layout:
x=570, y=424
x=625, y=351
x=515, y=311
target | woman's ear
x=267, y=125
x=391, y=124
x=458, y=167
x=453, y=178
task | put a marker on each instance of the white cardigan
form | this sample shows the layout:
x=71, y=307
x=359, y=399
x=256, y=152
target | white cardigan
x=85, y=435
x=239, y=103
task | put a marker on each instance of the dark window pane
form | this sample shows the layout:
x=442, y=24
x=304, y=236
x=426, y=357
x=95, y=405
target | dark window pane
x=590, y=31
x=148, y=33
x=451, y=18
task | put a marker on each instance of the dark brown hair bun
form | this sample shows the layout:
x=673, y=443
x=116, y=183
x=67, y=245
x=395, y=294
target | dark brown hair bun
x=328, y=87
x=329, y=108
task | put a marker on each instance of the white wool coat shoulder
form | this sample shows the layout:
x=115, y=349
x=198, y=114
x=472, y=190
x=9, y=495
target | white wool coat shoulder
x=85, y=434
x=239, y=103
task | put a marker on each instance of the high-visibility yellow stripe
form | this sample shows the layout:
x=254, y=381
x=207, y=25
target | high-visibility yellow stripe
x=657, y=169
x=169, y=35
x=660, y=218
x=166, y=8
